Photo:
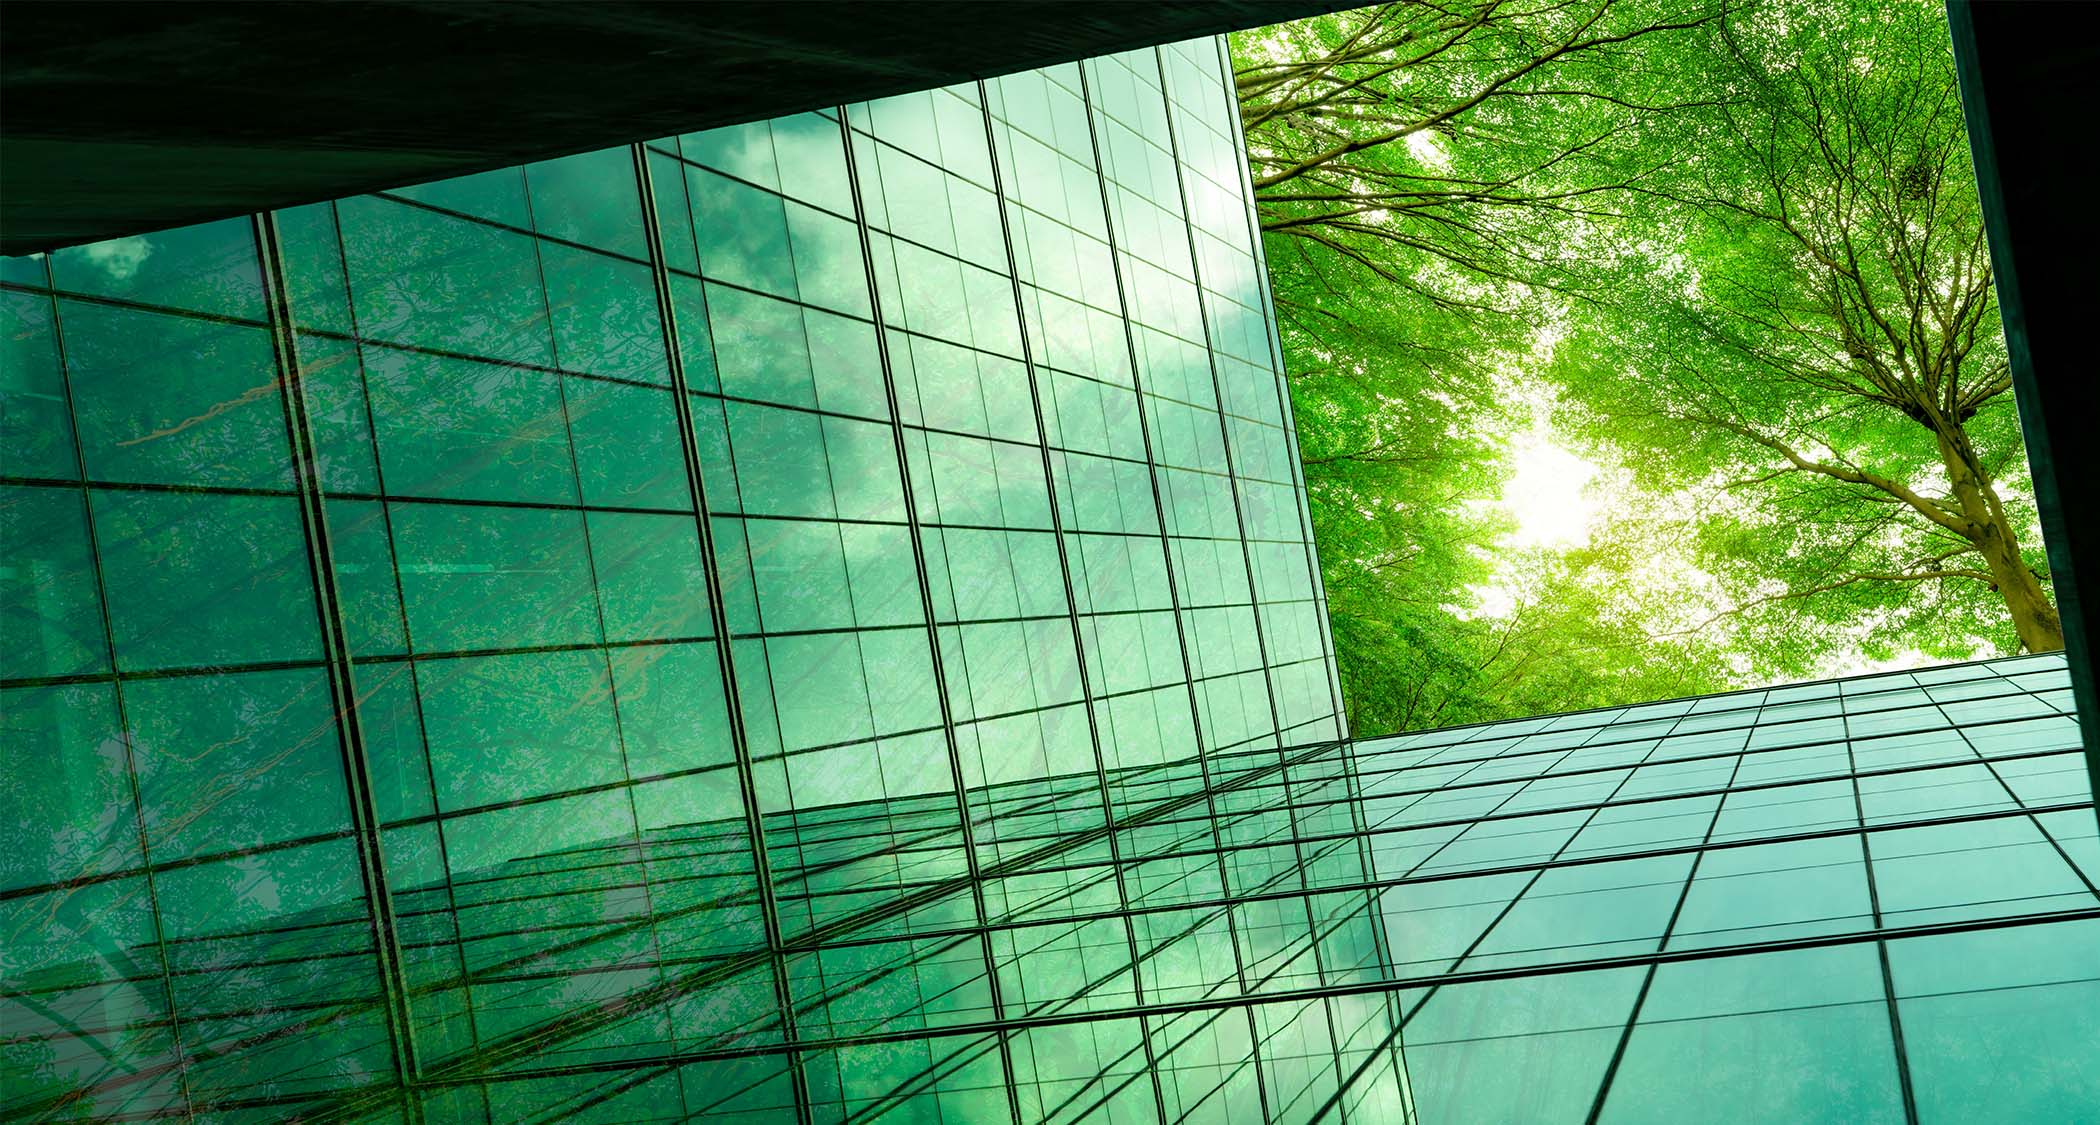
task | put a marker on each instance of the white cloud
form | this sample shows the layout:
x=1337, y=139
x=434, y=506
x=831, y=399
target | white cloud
x=120, y=258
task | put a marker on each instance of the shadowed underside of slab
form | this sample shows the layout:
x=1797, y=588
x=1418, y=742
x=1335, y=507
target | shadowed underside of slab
x=123, y=118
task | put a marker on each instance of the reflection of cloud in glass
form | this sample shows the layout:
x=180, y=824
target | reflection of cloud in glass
x=120, y=258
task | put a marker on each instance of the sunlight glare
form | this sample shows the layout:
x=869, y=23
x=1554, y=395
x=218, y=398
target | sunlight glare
x=1425, y=148
x=1547, y=493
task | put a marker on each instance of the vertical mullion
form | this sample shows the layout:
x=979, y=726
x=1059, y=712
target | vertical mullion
x=336, y=647
x=1881, y=947
x=689, y=449
x=1239, y=515
x=177, y=1056
x=1064, y=565
x=916, y=531
x=1288, y=409
x=409, y=663
x=1166, y=546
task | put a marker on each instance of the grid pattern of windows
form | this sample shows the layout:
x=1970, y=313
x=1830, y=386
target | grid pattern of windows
x=552, y=641
x=1857, y=900
x=815, y=621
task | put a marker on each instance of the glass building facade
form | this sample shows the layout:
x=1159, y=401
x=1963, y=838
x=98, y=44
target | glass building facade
x=816, y=621
x=552, y=640
x=1865, y=900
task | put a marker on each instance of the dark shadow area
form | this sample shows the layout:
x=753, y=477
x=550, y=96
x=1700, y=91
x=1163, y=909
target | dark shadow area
x=126, y=118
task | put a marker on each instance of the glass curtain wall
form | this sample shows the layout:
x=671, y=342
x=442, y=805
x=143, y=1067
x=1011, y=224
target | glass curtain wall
x=725, y=628
x=814, y=621
x=1859, y=900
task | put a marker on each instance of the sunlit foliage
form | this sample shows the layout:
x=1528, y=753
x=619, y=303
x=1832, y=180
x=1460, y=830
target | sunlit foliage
x=1728, y=254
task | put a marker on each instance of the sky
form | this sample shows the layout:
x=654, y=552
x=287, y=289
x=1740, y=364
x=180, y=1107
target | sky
x=1553, y=494
x=1549, y=498
x=1547, y=494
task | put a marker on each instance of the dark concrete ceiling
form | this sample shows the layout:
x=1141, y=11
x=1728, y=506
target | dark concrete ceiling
x=128, y=117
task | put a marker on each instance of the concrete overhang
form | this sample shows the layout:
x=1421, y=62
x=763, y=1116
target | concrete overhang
x=119, y=118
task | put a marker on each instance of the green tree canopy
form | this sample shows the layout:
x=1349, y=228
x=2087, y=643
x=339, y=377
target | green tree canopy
x=1738, y=251
x=1805, y=315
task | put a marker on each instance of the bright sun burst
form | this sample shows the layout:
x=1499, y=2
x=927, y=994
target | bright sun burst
x=1549, y=498
x=1547, y=493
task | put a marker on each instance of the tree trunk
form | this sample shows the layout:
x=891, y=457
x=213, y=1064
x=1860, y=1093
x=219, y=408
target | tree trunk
x=2034, y=617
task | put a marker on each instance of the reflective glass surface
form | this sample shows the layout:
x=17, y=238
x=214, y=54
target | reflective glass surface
x=1856, y=900
x=815, y=621
x=705, y=606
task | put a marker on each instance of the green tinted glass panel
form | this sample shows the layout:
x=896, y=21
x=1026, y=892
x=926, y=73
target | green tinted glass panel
x=389, y=716
x=48, y=595
x=743, y=151
x=70, y=815
x=764, y=350
x=36, y=427
x=812, y=159
x=196, y=579
x=672, y=713
x=313, y=265
x=339, y=414
x=590, y=198
x=829, y=269
x=497, y=195
x=819, y=690
x=626, y=442
x=361, y=547
x=423, y=278
x=475, y=578
x=605, y=317
x=799, y=569
x=501, y=728
x=651, y=581
x=743, y=233
x=845, y=365
x=780, y=463
x=468, y=430
x=174, y=400
x=210, y=268
x=235, y=761
x=27, y=270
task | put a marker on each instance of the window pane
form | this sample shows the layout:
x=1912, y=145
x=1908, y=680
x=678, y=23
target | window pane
x=238, y=761
x=36, y=431
x=48, y=601
x=493, y=577
x=209, y=268
x=198, y=579
x=172, y=400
